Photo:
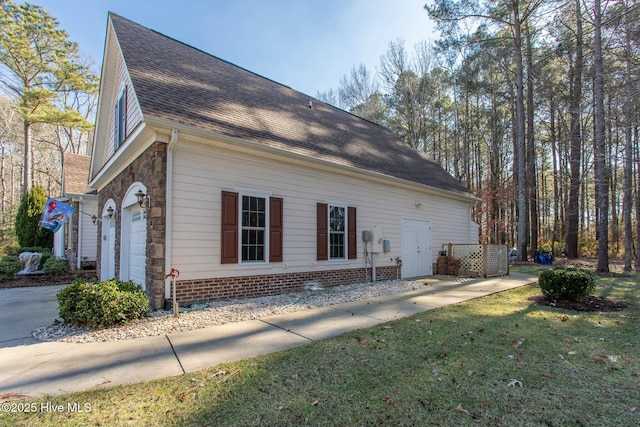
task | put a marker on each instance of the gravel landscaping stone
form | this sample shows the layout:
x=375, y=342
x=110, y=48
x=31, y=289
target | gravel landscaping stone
x=202, y=315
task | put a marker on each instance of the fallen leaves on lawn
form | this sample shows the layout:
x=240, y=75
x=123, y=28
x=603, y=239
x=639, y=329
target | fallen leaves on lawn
x=459, y=408
x=513, y=383
x=362, y=341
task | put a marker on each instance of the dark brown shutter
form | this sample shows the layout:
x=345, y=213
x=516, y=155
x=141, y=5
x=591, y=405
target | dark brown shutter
x=352, y=232
x=275, y=229
x=229, y=233
x=322, y=230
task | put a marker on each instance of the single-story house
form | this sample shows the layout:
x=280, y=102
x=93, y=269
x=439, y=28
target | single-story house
x=77, y=241
x=248, y=187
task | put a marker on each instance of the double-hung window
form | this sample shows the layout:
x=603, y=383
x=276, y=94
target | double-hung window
x=254, y=214
x=336, y=230
x=252, y=228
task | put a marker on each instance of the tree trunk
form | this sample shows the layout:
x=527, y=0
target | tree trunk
x=556, y=187
x=602, y=194
x=576, y=142
x=628, y=154
x=520, y=137
x=531, y=151
x=26, y=185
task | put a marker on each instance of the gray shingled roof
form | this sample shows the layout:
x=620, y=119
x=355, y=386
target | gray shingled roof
x=179, y=83
x=76, y=174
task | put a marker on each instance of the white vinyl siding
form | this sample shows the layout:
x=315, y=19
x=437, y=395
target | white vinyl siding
x=201, y=173
x=133, y=113
x=89, y=234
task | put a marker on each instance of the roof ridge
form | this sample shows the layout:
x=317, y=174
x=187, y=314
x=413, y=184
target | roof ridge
x=204, y=51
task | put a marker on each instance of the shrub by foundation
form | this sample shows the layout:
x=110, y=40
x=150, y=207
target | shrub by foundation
x=102, y=304
x=9, y=265
x=572, y=284
x=55, y=266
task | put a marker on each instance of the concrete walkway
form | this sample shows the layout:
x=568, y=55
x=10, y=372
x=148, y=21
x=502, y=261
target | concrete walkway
x=57, y=367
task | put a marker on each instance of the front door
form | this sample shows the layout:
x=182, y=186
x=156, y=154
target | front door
x=416, y=248
x=108, y=270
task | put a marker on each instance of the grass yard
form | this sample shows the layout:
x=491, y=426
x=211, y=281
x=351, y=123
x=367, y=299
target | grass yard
x=496, y=361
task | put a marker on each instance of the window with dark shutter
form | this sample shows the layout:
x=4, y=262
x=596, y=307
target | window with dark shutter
x=120, y=119
x=336, y=232
x=275, y=229
x=229, y=233
x=322, y=229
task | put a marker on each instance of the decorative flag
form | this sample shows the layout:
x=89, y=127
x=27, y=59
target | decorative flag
x=55, y=214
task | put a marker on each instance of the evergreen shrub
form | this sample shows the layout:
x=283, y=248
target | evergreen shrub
x=28, y=217
x=102, y=304
x=571, y=284
x=9, y=265
x=55, y=266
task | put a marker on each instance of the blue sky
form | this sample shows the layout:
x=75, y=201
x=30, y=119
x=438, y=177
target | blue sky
x=306, y=44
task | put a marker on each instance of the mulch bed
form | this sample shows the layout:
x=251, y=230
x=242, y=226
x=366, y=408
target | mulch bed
x=44, y=280
x=593, y=303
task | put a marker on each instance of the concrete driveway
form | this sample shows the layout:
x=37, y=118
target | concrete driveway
x=24, y=309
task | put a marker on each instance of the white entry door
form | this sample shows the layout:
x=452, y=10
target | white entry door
x=108, y=269
x=416, y=248
x=138, y=247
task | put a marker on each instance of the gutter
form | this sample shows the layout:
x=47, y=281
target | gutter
x=168, y=211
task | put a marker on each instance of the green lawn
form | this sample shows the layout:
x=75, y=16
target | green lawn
x=495, y=361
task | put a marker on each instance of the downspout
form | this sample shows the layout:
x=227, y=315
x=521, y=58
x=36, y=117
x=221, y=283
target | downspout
x=80, y=210
x=168, y=212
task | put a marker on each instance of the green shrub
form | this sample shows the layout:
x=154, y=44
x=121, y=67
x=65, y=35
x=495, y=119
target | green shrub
x=28, y=217
x=102, y=304
x=54, y=266
x=572, y=284
x=9, y=265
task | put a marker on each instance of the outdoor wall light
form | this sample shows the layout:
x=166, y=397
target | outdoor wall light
x=94, y=219
x=112, y=213
x=143, y=199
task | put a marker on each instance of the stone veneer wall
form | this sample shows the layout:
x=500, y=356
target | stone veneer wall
x=150, y=168
x=72, y=246
x=226, y=288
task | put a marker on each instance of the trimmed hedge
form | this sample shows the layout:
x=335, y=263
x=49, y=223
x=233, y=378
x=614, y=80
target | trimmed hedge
x=102, y=304
x=572, y=284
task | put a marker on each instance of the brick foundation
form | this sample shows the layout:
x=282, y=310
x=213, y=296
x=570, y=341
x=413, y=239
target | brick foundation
x=226, y=288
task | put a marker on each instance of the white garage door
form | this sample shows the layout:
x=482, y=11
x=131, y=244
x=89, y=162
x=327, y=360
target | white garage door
x=416, y=248
x=137, y=247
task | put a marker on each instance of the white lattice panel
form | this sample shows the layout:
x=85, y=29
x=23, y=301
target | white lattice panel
x=481, y=260
x=497, y=260
x=471, y=259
